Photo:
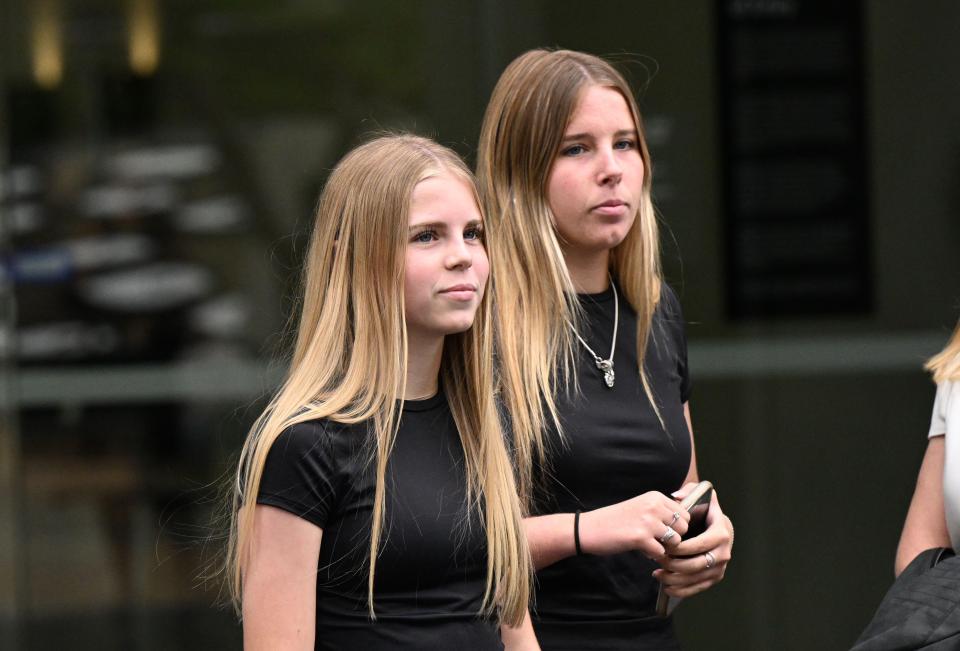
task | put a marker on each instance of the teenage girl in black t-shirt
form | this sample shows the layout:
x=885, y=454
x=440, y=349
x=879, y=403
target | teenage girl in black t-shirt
x=375, y=505
x=592, y=356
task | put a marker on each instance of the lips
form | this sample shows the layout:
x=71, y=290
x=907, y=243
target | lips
x=610, y=203
x=462, y=292
x=459, y=288
x=611, y=208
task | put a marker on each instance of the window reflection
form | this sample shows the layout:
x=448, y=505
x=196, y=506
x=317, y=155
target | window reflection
x=157, y=158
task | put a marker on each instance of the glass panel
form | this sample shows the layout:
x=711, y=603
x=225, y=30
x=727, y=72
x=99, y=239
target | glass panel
x=157, y=158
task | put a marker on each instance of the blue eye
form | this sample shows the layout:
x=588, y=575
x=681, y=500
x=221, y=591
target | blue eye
x=624, y=144
x=574, y=150
x=473, y=233
x=424, y=237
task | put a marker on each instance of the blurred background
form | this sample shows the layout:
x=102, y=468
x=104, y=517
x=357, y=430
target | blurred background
x=160, y=160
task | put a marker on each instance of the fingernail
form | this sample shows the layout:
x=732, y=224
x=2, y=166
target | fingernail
x=676, y=494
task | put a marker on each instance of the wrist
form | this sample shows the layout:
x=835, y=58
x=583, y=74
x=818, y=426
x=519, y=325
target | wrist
x=584, y=530
x=577, y=547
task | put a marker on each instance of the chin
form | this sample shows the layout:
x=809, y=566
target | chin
x=610, y=235
x=609, y=241
x=457, y=327
x=615, y=242
x=452, y=325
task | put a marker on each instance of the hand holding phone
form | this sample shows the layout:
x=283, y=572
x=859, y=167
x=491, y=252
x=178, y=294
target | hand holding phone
x=697, y=504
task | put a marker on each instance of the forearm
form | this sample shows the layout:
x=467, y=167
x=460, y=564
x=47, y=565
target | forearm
x=922, y=530
x=550, y=538
x=693, y=475
x=925, y=525
x=521, y=638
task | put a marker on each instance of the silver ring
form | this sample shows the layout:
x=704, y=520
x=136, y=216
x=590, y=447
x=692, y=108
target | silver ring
x=668, y=534
x=676, y=516
x=711, y=559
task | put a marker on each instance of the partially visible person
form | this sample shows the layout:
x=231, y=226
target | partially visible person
x=933, y=519
x=375, y=504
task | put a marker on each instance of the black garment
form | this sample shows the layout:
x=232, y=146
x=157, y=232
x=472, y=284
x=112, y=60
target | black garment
x=613, y=449
x=922, y=608
x=431, y=572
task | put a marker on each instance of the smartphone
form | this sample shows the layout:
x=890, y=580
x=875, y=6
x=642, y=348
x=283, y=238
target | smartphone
x=697, y=504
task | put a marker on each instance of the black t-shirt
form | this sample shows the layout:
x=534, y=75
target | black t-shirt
x=614, y=448
x=431, y=572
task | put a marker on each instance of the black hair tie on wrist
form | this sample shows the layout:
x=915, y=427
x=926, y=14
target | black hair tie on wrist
x=576, y=533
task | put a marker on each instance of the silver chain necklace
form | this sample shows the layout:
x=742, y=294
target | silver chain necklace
x=605, y=365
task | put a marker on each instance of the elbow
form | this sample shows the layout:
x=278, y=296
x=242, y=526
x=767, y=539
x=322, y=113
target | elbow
x=900, y=561
x=905, y=554
x=898, y=566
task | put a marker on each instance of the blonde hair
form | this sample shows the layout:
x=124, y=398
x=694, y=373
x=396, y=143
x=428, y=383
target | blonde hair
x=522, y=130
x=350, y=357
x=945, y=365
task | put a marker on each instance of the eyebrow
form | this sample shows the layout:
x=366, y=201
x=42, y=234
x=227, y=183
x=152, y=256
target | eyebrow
x=588, y=136
x=438, y=226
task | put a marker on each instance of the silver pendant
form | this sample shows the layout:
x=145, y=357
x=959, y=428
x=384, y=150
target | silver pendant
x=606, y=366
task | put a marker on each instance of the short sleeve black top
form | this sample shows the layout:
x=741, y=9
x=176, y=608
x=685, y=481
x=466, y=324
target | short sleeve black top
x=431, y=572
x=613, y=448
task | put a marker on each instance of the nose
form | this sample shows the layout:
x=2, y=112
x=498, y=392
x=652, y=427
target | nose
x=609, y=169
x=459, y=255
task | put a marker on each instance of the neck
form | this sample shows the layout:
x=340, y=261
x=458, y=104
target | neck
x=423, y=365
x=590, y=272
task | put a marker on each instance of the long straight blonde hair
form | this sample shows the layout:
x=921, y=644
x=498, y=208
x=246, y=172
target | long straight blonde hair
x=535, y=301
x=350, y=358
x=945, y=365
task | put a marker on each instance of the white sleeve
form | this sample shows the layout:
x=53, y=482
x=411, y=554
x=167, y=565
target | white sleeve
x=938, y=422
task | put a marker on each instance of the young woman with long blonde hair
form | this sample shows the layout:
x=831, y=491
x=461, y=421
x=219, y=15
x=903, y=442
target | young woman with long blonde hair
x=591, y=355
x=375, y=505
x=933, y=519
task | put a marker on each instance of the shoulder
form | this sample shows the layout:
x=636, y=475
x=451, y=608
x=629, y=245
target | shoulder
x=312, y=451
x=946, y=408
x=304, y=434
x=669, y=312
x=948, y=395
x=302, y=437
x=669, y=305
x=305, y=470
x=320, y=436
